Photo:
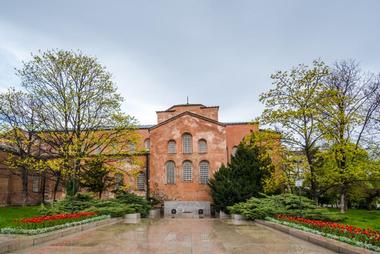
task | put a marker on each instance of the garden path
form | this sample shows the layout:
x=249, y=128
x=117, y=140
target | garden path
x=179, y=236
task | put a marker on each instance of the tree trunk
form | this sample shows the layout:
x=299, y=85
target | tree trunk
x=43, y=187
x=313, y=181
x=343, y=199
x=25, y=179
x=100, y=194
x=57, y=182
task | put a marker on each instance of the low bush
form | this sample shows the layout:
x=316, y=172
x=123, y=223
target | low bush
x=116, y=210
x=259, y=208
x=140, y=204
x=123, y=203
x=70, y=204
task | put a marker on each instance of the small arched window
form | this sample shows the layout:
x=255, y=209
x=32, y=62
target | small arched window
x=132, y=147
x=147, y=144
x=234, y=150
x=187, y=168
x=202, y=146
x=119, y=180
x=170, y=172
x=203, y=172
x=141, y=181
x=187, y=143
x=172, y=146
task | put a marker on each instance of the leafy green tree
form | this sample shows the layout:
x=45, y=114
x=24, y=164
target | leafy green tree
x=291, y=107
x=360, y=177
x=243, y=178
x=18, y=124
x=97, y=176
x=347, y=104
x=79, y=109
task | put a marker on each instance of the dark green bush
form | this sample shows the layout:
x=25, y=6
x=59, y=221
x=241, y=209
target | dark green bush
x=141, y=205
x=69, y=204
x=116, y=210
x=124, y=203
x=259, y=208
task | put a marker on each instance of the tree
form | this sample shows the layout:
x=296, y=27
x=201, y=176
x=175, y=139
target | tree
x=347, y=104
x=291, y=107
x=97, y=176
x=243, y=178
x=79, y=109
x=18, y=124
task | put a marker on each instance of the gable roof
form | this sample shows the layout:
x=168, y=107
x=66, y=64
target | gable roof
x=190, y=114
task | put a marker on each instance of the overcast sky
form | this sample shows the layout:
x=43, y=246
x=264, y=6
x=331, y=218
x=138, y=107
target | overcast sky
x=216, y=52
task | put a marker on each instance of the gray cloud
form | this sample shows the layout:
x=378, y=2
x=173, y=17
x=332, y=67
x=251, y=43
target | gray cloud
x=215, y=52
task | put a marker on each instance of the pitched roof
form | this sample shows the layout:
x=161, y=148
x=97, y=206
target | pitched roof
x=187, y=113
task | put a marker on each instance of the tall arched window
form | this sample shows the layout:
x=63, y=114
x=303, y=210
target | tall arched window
x=202, y=146
x=234, y=150
x=147, y=144
x=172, y=146
x=203, y=172
x=187, y=171
x=170, y=172
x=187, y=143
x=132, y=147
x=141, y=181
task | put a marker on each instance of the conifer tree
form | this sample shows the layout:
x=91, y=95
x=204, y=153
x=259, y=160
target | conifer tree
x=243, y=178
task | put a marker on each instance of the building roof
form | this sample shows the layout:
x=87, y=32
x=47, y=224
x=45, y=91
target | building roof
x=145, y=126
x=171, y=109
x=187, y=113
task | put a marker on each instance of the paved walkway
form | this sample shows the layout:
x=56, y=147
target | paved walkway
x=179, y=236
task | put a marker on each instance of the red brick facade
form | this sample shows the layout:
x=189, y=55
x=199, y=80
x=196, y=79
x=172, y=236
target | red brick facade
x=201, y=123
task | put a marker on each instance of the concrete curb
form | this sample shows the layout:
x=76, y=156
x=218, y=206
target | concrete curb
x=331, y=244
x=22, y=241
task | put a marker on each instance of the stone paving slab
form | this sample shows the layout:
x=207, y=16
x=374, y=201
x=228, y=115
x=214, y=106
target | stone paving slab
x=11, y=243
x=179, y=235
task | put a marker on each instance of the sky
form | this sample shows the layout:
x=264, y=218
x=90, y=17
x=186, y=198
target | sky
x=215, y=52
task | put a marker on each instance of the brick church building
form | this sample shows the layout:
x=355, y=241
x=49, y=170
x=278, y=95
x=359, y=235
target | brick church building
x=181, y=152
x=186, y=146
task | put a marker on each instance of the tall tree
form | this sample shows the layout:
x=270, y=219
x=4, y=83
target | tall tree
x=18, y=124
x=80, y=109
x=291, y=107
x=348, y=103
x=243, y=178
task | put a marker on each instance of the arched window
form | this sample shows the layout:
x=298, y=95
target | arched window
x=141, y=181
x=187, y=168
x=234, y=150
x=202, y=146
x=147, y=144
x=132, y=147
x=36, y=183
x=203, y=172
x=187, y=143
x=172, y=146
x=119, y=180
x=170, y=172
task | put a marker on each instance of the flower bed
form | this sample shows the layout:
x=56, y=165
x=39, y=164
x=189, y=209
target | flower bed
x=368, y=238
x=50, y=221
x=55, y=217
x=34, y=231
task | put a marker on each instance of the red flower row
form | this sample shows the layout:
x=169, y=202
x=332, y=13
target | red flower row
x=65, y=216
x=365, y=235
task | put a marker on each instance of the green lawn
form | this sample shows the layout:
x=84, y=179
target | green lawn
x=362, y=218
x=9, y=214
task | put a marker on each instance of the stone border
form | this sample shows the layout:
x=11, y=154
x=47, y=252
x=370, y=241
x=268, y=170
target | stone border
x=23, y=241
x=331, y=244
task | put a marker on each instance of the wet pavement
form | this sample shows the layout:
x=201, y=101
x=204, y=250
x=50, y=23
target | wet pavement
x=168, y=235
